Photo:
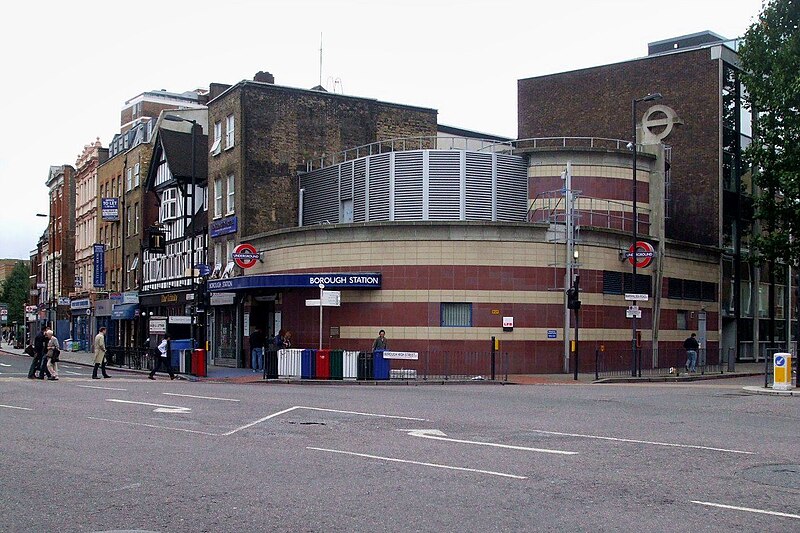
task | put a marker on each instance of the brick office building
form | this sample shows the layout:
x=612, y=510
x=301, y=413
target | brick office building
x=707, y=202
x=260, y=136
x=59, y=265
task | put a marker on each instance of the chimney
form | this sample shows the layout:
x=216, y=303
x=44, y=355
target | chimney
x=264, y=77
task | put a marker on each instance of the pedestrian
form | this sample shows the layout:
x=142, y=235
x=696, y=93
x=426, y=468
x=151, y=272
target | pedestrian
x=691, y=346
x=287, y=339
x=163, y=359
x=100, y=353
x=53, y=353
x=38, y=347
x=257, y=340
x=280, y=340
x=380, y=342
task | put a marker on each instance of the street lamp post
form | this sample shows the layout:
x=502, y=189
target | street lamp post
x=193, y=317
x=634, y=258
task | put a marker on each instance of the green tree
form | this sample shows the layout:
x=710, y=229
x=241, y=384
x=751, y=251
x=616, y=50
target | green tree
x=15, y=293
x=770, y=60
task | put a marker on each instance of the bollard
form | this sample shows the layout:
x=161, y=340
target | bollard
x=782, y=371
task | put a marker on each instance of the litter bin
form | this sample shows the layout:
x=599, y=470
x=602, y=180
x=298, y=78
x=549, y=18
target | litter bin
x=178, y=353
x=307, y=363
x=199, y=362
x=271, y=364
x=380, y=365
x=336, y=364
x=323, y=368
x=364, y=366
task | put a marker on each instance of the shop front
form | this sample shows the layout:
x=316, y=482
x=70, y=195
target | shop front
x=166, y=304
x=81, y=324
x=102, y=314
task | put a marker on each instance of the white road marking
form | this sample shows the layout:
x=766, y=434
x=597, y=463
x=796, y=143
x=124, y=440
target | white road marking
x=14, y=407
x=435, y=434
x=3, y=364
x=748, y=509
x=359, y=413
x=200, y=397
x=158, y=407
x=434, y=465
x=635, y=441
x=75, y=373
x=102, y=388
x=152, y=426
x=273, y=415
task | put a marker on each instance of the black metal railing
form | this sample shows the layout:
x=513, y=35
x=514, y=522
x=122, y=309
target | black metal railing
x=667, y=361
x=447, y=365
x=135, y=358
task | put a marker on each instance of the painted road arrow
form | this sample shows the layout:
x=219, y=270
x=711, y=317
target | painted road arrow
x=435, y=434
x=158, y=407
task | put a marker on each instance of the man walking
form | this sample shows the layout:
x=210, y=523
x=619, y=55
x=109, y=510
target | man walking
x=380, y=342
x=257, y=339
x=100, y=353
x=691, y=346
x=38, y=346
x=163, y=359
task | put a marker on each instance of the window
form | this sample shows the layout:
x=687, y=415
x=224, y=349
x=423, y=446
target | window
x=136, y=177
x=456, y=315
x=621, y=283
x=687, y=289
x=169, y=204
x=217, y=198
x=683, y=319
x=127, y=221
x=217, y=138
x=136, y=217
x=231, y=195
x=205, y=199
x=229, y=129
x=129, y=181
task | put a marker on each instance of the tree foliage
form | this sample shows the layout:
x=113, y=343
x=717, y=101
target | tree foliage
x=770, y=58
x=15, y=293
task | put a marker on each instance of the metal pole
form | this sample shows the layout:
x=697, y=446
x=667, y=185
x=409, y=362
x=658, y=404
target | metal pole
x=634, y=257
x=193, y=307
x=568, y=229
x=493, y=356
x=577, y=322
x=321, y=287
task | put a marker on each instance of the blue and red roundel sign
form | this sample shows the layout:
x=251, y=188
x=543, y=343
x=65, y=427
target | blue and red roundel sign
x=245, y=255
x=642, y=253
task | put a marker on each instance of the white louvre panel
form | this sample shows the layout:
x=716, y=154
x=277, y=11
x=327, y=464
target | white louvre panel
x=444, y=185
x=408, y=185
x=346, y=181
x=512, y=189
x=359, y=190
x=378, y=178
x=320, y=199
x=479, y=186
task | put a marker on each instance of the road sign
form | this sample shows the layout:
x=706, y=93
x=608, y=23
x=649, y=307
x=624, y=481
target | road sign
x=331, y=298
x=552, y=334
x=633, y=312
x=632, y=297
x=245, y=255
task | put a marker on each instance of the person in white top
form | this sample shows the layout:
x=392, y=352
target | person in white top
x=163, y=359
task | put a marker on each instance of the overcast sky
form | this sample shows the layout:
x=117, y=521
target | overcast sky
x=68, y=67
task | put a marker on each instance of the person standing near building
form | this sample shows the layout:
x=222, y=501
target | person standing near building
x=53, y=352
x=257, y=340
x=380, y=342
x=691, y=346
x=100, y=353
x=163, y=359
x=38, y=347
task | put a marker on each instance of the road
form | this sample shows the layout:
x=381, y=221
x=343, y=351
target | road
x=132, y=454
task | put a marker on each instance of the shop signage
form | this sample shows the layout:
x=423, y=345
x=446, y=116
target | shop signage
x=157, y=241
x=33, y=292
x=401, y=355
x=102, y=308
x=41, y=285
x=223, y=298
x=245, y=255
x=63, y=300
x=224, y=226
x=641, y=254
x=78, y=282
x=339, y=280
x=99, y=265
x=177, y=319
x=110, y=209
x=169, y=298
x=82, y=303
x=158, y=325
x=131, y=297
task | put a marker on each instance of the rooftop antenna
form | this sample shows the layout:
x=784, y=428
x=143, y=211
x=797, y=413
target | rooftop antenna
x=320, y=59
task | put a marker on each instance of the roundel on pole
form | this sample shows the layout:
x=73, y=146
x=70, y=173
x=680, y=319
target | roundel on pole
x=245, y=255
x=641, y=254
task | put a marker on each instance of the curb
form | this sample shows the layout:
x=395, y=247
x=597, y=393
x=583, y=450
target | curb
x=771, y=392
x=678, y=379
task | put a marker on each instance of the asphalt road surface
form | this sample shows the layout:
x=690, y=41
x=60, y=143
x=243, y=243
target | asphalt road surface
x=132, y=454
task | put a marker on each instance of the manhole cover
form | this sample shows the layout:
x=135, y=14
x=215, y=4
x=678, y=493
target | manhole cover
x=787, y=476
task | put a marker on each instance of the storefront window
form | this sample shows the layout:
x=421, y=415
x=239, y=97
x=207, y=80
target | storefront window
x=224, y=349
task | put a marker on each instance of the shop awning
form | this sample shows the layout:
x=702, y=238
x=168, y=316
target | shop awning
x=334, y=280
x=125, y=311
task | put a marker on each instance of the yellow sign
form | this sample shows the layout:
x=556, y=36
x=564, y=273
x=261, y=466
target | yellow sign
x=782, y=375
x=495, y=311
x=496, y=343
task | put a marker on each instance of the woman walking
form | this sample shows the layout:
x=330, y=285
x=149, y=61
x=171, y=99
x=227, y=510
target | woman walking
x=53, y=351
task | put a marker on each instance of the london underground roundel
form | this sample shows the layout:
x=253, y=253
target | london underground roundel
x=642, y=254
x=245, y=255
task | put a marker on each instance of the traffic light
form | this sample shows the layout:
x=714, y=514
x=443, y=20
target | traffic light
x=572, y=299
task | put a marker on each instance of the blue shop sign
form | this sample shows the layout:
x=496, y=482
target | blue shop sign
x=336, y=280
x=99, y=265
x=82, y=303
x=223, y=226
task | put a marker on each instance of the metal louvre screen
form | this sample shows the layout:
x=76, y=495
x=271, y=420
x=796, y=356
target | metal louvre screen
x=512, y=189
x=379, y=187
x=408, y=185
x=346, y=181
x=321, y=196
x=479, y=186
x=359, y=190
x=444, y=185
x=456, y=315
